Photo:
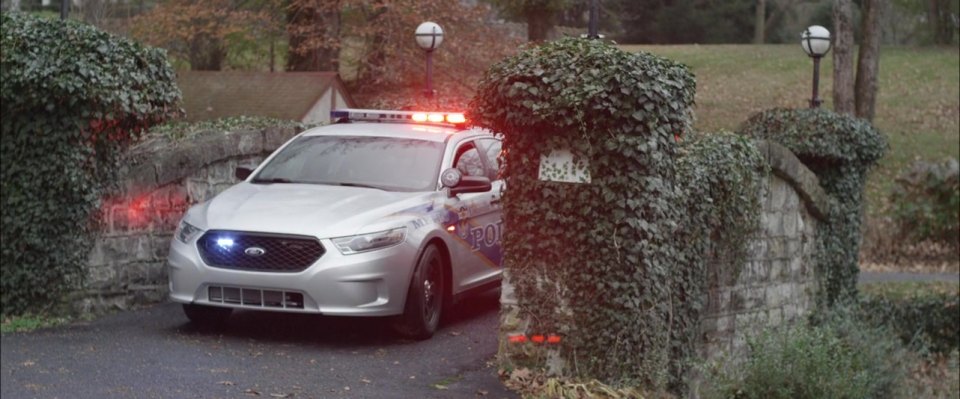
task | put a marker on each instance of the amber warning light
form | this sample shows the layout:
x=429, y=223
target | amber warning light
x=535, y=338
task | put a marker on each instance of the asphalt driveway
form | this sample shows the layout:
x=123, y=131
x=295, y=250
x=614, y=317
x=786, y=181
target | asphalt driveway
x=155, y=353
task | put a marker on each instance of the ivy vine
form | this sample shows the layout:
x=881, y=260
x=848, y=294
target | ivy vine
x=615, y=265
x=72, y=98
x=840, y=150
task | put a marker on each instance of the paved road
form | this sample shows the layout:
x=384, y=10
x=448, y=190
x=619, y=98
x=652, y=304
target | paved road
x=155, y=353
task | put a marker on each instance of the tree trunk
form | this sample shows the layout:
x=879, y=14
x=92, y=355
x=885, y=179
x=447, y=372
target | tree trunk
x=761, y=18
x=206, y=53
x=843, y=83
x=939, y=16
x=539, y=24
x=868, y=61
x=311, y=27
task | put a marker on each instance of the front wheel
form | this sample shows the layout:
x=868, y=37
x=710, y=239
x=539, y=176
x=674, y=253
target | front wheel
x=421, y=314
x=207, y=316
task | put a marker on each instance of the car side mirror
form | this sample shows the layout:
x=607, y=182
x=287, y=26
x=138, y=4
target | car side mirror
x=459, y=184
x=242, y=172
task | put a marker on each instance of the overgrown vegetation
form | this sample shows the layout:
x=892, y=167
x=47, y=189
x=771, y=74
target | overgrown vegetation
x=72, y=99
x=628, y=307
x=837, y=356
x=180, y=129
x=925, y=316
x=720, y=175
x=840, y=150
x=926, y=202
x=611, y=303
x=27, y=323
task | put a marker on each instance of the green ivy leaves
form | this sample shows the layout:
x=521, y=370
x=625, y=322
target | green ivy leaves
x=72, y=98
x=617, y=264
x=840, y=149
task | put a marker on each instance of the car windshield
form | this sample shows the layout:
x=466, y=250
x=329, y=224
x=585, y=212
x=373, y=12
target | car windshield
x=385, y=163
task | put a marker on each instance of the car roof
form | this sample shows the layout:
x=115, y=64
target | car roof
x=375, y=129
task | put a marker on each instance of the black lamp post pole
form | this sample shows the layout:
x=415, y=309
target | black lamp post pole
x=815, y=100
x=64, y=9
x=593, y=33
x=429, y=92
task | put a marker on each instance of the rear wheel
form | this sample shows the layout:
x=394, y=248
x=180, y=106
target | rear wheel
x=207, y=316
x=421, y=314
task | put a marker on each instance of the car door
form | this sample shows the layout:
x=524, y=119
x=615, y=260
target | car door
x=477, y=255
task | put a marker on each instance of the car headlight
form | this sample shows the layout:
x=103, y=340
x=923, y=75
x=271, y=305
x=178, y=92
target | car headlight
x=186, y=232
x=368, y=242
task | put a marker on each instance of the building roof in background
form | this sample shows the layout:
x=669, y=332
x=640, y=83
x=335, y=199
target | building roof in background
x=282, y=95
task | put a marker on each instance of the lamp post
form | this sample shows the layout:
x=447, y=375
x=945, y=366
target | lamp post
x=429, y=36
x=592, y=28
x=815, y=41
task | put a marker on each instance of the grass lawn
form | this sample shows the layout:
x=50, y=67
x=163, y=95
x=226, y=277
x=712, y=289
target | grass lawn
x=918, y=105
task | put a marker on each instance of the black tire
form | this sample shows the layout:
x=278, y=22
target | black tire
x=425, y=297
x=206, y=316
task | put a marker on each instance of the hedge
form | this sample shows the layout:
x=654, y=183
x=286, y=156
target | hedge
x=72, y=98
x=924, y=315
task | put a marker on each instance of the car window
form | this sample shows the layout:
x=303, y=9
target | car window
x=393, y=164
x=491, y=154
x=468, y=161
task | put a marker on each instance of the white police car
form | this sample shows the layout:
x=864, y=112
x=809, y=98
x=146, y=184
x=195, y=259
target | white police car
x=384, y=213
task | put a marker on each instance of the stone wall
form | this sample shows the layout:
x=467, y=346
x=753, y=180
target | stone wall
x=776, y=285
x=161, y=179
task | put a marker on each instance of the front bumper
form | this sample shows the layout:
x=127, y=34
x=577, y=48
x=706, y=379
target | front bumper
x=367, y=284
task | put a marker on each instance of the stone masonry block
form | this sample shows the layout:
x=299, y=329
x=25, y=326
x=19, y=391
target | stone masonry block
x=251, y=142
x=791, y=200
x=197, y=190
x=772, y=224
x=791, y=223
x=777, y=197
x=144, y=250
x=174, y=165
x=101, y=277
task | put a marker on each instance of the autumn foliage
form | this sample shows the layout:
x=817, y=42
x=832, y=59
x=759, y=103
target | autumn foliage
x=370, y=42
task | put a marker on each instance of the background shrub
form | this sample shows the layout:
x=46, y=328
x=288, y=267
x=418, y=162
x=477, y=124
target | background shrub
x=840, y=150
x=837, y=356
x=72, y=98
x=926, y=202
x=923, y=315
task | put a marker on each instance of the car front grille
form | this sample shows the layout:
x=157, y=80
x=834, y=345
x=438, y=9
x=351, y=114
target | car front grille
x=258, y=251
x=255, y=297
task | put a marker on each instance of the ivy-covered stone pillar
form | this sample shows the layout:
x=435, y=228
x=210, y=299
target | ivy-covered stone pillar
x=591, y=209
x=841, y=150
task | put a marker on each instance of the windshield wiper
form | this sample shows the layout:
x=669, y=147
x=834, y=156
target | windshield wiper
x=272, y=180
x=359, y=185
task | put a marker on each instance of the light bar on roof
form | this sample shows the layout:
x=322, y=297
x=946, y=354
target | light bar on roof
x=373, y=115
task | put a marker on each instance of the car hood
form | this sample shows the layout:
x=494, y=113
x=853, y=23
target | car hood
x=309, y=209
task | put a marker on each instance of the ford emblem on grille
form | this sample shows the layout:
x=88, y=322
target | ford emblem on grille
x=254, y=251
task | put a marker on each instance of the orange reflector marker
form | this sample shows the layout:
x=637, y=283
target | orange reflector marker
x=553, y=339
x=517, y=338
x=537, y=338
x=435, y=118
x=456, y=118
x=419, y=117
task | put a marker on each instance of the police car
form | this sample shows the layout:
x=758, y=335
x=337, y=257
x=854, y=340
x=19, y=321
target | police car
x=383, y=213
